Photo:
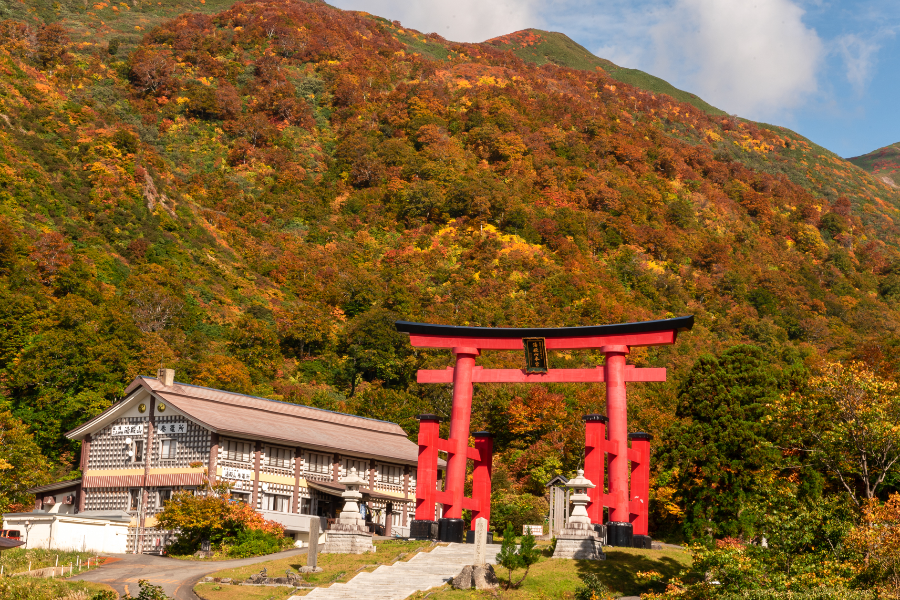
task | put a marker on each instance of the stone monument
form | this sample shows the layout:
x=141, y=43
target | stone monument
x=479, y=575
x=312, y=551
x=349, y=535
x=580, y=538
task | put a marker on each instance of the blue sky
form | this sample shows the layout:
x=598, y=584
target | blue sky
x=829, y=70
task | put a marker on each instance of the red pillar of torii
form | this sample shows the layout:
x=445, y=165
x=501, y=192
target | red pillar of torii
x=627, y=509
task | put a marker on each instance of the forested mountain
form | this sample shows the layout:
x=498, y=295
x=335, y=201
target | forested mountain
x=884, y=163
x=253, y=196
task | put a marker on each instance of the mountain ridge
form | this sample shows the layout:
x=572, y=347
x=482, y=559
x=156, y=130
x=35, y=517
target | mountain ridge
x=883, y=163
x=541, y=47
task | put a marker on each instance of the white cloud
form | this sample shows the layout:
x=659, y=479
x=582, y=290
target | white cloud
x=859, y=59
x=457, y=20
x=753, y=57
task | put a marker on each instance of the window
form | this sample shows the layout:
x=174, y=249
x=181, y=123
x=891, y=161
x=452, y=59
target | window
x=361, y=466
x=318, y=463
x=305, y=506
x=134, y=499
x=163, y=495
x=240, y=497
x=237, y=451
x=279, y=457
x=390, y=474
x=276, y=502
x=138, y=451
x=167, y=449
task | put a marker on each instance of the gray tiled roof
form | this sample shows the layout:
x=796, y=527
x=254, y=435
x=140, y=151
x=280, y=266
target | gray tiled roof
x=292, y=424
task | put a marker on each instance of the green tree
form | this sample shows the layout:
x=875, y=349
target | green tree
x=372, y=349
x=255, y=343
x=72, y=370
x=849, y=419
x=22, y=465
x=719, y=446
x=512, y=557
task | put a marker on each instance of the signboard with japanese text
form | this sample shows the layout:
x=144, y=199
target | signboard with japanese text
x=238, y=474
x=135, y=429
x=535, y=355
x=172, y=427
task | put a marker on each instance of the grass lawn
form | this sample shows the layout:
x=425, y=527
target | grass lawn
x=336, y=568
x=40, y=588
x=217, y=557
x=559, y=578
x=18, y=560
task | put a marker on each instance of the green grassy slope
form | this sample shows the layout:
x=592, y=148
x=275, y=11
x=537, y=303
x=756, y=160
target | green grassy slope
x=884, y=162
x=542, y=47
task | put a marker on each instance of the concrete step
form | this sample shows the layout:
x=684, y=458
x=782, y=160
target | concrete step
x=402, y=579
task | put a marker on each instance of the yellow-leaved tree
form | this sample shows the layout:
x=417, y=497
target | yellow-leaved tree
x=877, y=540
x=849, y=419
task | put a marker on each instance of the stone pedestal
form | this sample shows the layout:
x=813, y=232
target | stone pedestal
x=348, y=542
x=349, y=534
x=580, y=539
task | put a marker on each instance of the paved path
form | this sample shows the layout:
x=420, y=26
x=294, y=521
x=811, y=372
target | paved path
x=423, y=571
x=177, y=577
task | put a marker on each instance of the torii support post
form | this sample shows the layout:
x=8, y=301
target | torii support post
x=639, y=455
x=481, y=476
x=594, y=463
x=466, y=344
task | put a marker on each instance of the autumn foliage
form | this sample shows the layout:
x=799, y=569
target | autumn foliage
x=253, y=197
x=213, y=515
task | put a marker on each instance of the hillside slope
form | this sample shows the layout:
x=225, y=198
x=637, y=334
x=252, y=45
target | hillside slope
x=543, y=47
x=884, y=163
x=252, y=198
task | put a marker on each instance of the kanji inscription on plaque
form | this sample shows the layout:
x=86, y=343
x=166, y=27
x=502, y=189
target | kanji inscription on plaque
x=535, y=355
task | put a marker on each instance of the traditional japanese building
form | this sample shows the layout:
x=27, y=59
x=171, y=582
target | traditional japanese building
x=283, y=459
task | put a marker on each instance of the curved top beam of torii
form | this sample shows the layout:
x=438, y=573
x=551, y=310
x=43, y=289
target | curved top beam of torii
x=643, y=333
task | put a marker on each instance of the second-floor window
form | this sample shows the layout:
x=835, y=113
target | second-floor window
x=237, y=451
x=168, y=449
x=279, y=457
x=361, y=466
x=138, y=451
x=318, y=463
x=390, y=474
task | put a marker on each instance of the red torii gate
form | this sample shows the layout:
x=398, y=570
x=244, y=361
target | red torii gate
x=627, y=511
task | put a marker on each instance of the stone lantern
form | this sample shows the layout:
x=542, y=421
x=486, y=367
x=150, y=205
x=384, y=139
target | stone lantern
x=349, y=535
x=580, y=538
x=350, y=513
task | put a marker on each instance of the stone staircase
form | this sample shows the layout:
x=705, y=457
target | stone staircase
x=423, y=571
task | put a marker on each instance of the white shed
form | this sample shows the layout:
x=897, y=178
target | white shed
x=101, y=531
